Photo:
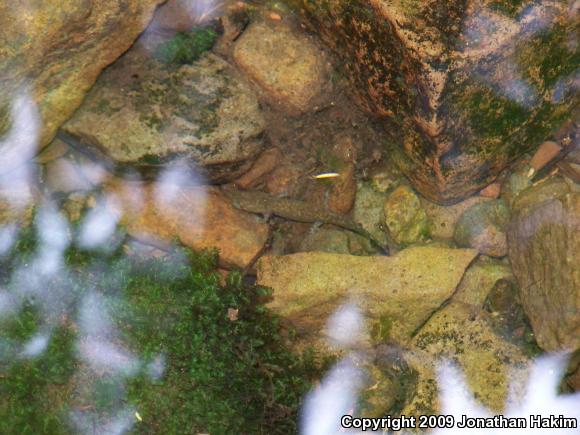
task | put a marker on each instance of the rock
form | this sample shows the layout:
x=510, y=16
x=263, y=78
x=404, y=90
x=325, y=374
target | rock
x=489, y=362
x=264, y=164
x=308, y=287
x=482, y=227
x=545, y=153
x=515, y=183
x=57, y=49
x=492, y=190
x=405, y=216
x=544, y=242
x=287, y=65
x=368, y=210
x=342, y=193
x=16, y=204
x=54, y=150
x=462, y=332
x=444, y=218
x=324, y=240
x=283, y=181
x=200, y=217
x=336, y=241
x=466, y=86
x=64, y=176
x=182, y=15
x=384, y=179
x=144, y=114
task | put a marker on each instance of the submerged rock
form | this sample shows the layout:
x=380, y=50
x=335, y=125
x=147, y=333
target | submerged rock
x=483, y=227
x=444, y=218
x=144, y=113
x=58, y=48
x=405, y=216
x=467, y=86
x=399, y=292
x=463, y=332
x=544, y=247
x=368, y=210
x=286, y=64
x=198, y=216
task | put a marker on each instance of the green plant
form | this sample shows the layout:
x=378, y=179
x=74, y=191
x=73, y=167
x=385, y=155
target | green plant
x=228, y=365
x=186, y=47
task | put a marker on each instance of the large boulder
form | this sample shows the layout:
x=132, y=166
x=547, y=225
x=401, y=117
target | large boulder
x=466, y=87
x=144, y=113
x=544, y=248
x=399, y=293
x=57, y=49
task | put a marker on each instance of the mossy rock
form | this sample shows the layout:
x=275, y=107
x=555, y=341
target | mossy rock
x=464, y=89
x=145, y=114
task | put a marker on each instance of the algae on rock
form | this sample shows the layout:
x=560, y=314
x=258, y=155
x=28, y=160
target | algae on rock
x=465, y=87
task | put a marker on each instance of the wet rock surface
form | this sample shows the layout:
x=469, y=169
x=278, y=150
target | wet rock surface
x=286, y=64
x=190, y=214
x=457, y=81
x=483, y=227
x=57, y=50
x=308, y=287
x=544, y=242
x=405, y=216
x=145, y=114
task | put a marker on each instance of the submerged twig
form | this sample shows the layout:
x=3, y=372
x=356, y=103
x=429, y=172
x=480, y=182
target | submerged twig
x=301, y=211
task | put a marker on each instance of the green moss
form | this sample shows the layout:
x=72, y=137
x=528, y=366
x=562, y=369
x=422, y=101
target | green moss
x=222, y=373
x=186, y=47
x=508, y=7
x=494, y=115
x=547, y=57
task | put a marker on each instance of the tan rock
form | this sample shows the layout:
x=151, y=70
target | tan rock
x=402, y=290
x=200, y=217
x=287, y=65
x=445, y=218
x=58, y=49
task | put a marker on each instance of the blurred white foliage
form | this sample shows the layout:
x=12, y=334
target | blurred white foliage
x=336, y=396
x=8, y=235
x=541, y=398
x=98, y=344
x=345, y=327
x=35, y=346
x=91, y=423
x=338, y=392
x=100, y=223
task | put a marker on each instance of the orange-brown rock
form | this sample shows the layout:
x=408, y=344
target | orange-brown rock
x=343, y=191
x=199, y=216
x=492, y=190
x=264, y=164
